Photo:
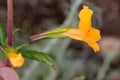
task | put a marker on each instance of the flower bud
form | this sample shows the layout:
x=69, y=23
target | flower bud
x=16, y=60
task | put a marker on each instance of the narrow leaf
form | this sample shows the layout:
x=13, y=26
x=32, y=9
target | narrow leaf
x=3, y=34
x=55, y=33
x=15, y=30
x=20, y=46
x=39, y=56
x=79, y=78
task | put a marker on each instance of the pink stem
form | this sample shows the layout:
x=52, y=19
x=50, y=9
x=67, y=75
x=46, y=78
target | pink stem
x=9, y=26
x=10, y=21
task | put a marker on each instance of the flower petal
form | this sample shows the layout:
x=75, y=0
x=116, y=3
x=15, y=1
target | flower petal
x=85, y=19
x=92, y=44
x=94, y=34
x=8, y=73
x=74, y=33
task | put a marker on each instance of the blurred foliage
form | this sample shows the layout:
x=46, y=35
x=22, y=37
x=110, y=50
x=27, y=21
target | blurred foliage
x=3, y=35
x=79, y=78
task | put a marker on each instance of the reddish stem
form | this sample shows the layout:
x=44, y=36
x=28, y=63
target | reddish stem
x=10, y=21
x=9, y=25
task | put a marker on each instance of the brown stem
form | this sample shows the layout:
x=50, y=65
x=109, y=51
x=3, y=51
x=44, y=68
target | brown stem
x=10, y=21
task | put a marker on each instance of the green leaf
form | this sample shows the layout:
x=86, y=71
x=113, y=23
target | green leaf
x=79, y=78
x=15, y=30
x=39, y=56
x=55, y=33
x=3, y=34
x=20, y=46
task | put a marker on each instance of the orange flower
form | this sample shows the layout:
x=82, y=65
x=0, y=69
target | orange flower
x=85, y=32
x=16, y=59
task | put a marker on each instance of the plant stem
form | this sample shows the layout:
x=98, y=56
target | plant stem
x=10, y=21
x=9, y=25
x=107, y=61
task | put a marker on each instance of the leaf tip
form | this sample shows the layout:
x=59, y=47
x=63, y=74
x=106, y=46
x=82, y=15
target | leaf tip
x=54, y=67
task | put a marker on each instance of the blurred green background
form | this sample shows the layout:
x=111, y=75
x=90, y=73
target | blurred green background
x=73, y=58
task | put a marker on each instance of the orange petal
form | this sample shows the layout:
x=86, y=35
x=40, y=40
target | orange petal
x=85, y=19
x=94, y=34
x=16, y=59
x=74, y=33
x=92, y=44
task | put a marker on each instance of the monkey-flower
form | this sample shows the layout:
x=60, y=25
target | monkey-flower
x=85, y=32
x=16, y=59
